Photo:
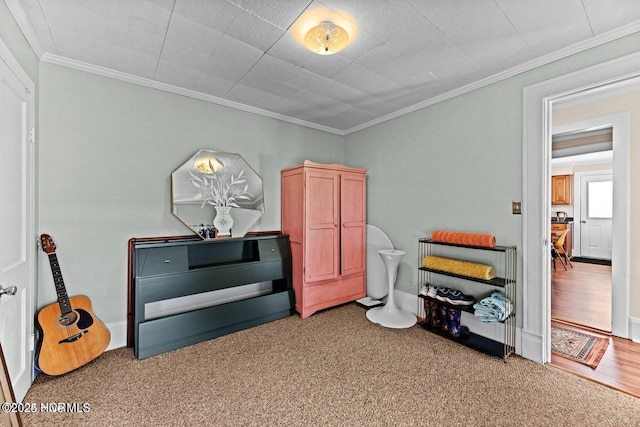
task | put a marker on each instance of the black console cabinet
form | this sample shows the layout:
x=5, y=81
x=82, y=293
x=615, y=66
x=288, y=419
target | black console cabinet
x=165, y=268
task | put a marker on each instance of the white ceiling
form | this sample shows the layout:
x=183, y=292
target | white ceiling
x=406, y=54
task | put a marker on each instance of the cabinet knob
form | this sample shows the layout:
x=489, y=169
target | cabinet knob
x=167, y=261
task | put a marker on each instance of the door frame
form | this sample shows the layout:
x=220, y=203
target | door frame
x=14, y=66
x=601, y=81
x=577, y=209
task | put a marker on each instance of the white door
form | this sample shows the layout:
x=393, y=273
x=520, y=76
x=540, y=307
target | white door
x=596, y=216
x=17, y=234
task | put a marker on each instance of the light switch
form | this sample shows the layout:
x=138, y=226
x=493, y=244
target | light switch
x=516, y=208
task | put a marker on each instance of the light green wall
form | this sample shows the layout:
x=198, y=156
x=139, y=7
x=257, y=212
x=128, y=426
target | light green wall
x=450, y=166
x=457, y=165
x=107, y=150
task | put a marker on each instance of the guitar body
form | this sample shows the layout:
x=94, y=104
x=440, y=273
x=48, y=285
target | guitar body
x=70, y=341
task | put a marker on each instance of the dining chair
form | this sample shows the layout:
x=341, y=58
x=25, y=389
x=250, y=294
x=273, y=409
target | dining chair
x=557, y=251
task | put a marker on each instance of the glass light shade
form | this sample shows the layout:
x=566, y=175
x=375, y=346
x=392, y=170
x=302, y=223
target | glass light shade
x=326, y=38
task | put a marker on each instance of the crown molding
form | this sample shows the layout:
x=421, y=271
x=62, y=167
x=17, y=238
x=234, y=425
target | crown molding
x=7, y=57
x=18, y=13
x=527, y=66
x=142, y=81
x=25, y=26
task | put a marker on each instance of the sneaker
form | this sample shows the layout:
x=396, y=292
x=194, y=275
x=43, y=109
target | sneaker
x=442, y=293
x=428, y=290
x=425, y=289
x=458, y=298
x=432, y=291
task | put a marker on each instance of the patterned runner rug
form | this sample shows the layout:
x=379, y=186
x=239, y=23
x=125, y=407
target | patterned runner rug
x=579, y=346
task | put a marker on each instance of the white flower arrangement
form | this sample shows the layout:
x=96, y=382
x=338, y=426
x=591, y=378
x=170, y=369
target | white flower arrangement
x=219, y=188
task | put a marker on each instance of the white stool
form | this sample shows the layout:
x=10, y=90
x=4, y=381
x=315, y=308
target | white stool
x=390, y=315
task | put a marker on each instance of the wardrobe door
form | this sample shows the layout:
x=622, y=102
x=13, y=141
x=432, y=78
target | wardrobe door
x=322, y=238
x=353, y=222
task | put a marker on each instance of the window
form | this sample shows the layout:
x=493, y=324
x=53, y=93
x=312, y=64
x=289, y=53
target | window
x=600, y=199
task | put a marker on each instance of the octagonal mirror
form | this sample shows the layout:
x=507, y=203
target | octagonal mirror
x=217, y=194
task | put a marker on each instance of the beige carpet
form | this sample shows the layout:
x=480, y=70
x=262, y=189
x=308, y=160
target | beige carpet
x=334, y=368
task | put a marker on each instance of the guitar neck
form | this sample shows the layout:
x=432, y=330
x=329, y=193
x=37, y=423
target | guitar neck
x=61, y=291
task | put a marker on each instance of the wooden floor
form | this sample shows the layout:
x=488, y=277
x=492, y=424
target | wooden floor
x=581, y=299
x=590, y=284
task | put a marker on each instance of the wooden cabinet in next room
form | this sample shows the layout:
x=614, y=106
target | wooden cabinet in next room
x=561, y=190
x=324, y=214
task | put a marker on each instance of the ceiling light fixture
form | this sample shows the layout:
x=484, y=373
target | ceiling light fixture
x=326, y=38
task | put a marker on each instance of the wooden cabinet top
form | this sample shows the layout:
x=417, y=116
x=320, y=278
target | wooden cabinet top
x=332, y=166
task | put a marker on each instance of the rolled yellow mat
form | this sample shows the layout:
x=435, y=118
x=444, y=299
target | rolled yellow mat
x=463, y=268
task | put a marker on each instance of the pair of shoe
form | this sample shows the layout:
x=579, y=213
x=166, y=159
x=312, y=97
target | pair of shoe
x=454, y=297
x=428, y=290
x=447, y=319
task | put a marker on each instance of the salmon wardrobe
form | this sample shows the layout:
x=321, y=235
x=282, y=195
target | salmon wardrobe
x=324, y=214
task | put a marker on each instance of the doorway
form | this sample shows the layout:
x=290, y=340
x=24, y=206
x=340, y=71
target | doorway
x=584, y=158
x=619, y=76
x=620, y=125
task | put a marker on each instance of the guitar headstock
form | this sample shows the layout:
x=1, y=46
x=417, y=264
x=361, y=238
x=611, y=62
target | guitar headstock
x=47, y=244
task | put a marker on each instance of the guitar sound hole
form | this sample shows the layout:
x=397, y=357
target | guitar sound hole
x=68, y=319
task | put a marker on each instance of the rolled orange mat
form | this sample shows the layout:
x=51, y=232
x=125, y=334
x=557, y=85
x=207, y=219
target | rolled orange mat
x=462, y=238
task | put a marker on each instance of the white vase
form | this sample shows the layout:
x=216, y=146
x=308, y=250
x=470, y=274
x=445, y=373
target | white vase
x=223, y=221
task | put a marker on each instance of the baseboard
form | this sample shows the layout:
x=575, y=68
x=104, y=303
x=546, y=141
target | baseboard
x=118, y=334
x=407, y=301
x=531, y=346
x=634, y=332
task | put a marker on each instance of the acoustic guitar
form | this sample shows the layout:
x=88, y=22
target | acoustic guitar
x=70, y=334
